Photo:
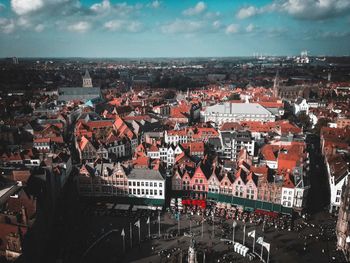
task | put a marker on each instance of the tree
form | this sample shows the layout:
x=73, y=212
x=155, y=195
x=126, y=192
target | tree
x=304, y=120
x=323, y=122
x=234, y=96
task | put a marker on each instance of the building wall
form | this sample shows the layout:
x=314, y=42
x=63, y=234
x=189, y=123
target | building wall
x=153, y=189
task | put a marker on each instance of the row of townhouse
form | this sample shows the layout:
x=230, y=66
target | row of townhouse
x=114, y=179
x=247, y=182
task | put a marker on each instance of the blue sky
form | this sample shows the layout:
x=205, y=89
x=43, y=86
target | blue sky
x=182, y=28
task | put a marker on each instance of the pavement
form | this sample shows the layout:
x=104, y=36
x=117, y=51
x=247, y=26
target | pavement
x=310, y=244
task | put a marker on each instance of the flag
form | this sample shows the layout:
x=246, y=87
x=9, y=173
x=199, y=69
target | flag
x=148, y=220
x=137, y=223
x=266, y=245
x=177, y=216
x=260, y=240
x=251, y=234
x=123, y=233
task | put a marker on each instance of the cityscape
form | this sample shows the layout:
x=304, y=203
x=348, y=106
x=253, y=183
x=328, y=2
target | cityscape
x=174, y=131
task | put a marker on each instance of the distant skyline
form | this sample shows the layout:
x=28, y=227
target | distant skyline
x=182, y=28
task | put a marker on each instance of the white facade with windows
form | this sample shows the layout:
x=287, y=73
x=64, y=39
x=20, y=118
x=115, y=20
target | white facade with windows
x=335, y=191
x=146, y=183
x=287, y=197
x=301, y=105
x=236, y=112
x=176, y=138
x=166, y=153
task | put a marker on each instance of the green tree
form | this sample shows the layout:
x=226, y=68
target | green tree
x=234, y=96
x=323, y=122
x=304, y=120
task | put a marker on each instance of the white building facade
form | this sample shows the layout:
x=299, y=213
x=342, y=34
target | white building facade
x=237, y=112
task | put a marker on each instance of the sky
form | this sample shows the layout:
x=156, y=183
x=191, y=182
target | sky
x=179, y=28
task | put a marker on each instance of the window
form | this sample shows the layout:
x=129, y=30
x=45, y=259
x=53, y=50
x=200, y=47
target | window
x=151, y=192
x=143, y=191
x=129, y=183
x=337, y=200
x=133, y=183
x=155, y=184
x=138, y=191
x=134, y=191
x=138, y=183
x=160, y=184
x=338, y=192
x=147, y=192
x=142, y=184
x=151, y=184
x=146, y=184
x=160, y=192
x=155, y=192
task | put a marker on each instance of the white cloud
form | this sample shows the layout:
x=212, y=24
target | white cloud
x=7, y=25
x=232, y=29
x=123, y=25
x=246, y=12
x=105, y=5
x=212, y=15
x=155, y=4
x=182, y=26
x=23, y=22
x=199, y=8
x=81, y=27
x=312, y=9
x=301, y=9
x=250, y=28
x=22, y=7
x=39, y=28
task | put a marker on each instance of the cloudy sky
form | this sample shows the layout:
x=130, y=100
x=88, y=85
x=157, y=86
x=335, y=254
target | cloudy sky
x=166, y=28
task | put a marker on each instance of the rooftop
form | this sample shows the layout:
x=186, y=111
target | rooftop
x=145, y=174
x=238, y=108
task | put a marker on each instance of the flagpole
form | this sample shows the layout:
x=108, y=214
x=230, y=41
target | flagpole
x=178, y=224
x=213, y=227
x=149, y=227
x=254, y=244
x=268, y=256
x=262, y=249
x=244, y=234
x=130, y=236
x=123, y=235
x=159, y=224
x=139, y=231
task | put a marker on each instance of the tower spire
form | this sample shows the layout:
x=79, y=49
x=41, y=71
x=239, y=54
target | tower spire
x=87, y=81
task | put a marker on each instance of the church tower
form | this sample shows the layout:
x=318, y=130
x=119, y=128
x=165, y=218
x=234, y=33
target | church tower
x=87, y=81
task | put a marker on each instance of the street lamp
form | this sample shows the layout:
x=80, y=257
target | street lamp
x=234, y=224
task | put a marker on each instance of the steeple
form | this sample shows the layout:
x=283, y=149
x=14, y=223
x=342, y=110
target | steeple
x=87, y=82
